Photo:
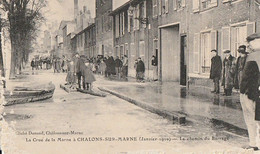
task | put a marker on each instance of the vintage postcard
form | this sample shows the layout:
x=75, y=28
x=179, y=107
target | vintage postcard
x=129, y=76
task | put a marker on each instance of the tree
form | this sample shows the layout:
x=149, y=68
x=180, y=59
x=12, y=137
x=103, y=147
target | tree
x=24, y=18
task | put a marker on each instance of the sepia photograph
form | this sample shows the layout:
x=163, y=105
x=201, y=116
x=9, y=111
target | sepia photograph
x=129, y=76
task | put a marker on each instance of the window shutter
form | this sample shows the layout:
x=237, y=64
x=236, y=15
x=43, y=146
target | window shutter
x=174, y=4
x=250, y=28
x=138, y=16
x=183, y=3
x=128, y=21
x=196, y=5
x=214, y=39
x=196, y=46
x=160, y=7
x=123, y=23
x=214, y=3
x=166, y=6
x=144, y=13
x=225, y=38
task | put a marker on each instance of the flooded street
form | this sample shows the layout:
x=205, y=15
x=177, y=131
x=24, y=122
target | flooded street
x=81, y=123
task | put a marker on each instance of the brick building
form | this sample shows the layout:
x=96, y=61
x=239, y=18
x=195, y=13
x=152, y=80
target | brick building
x=104, y=35
x=189, y=30
x=133, y=33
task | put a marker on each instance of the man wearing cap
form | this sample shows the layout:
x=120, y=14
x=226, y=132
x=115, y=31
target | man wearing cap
x=241, y=61
x=249, y=91
x=215, y=70
x=229, y=68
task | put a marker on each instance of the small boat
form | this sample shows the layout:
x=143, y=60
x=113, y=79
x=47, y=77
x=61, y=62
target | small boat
x=91, y=92
x=21, y=95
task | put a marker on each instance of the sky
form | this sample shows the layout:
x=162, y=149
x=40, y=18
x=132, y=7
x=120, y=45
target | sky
x=58, y=10
x=117, y=3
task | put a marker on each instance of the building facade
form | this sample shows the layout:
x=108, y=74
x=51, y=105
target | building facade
x=104, y=35
x=189, y=30
x=133, y=33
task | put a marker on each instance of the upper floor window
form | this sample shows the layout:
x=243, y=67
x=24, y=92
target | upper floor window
x=155, y=8
x=200, y=5
x=180, y=4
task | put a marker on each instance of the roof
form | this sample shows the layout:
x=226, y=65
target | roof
x=119, y=9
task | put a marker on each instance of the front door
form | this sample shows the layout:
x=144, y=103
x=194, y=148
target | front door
x=183, y=60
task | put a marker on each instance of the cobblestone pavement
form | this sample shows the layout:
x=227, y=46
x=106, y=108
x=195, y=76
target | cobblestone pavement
x=102, y=125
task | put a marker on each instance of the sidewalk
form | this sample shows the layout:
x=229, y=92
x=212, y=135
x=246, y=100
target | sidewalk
x=197, y=103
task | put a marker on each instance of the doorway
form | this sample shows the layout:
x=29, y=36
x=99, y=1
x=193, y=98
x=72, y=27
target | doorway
x=170, y=53
x=183, y=63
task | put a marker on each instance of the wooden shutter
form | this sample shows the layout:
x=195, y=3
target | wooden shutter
x=160, y=7
x=196, y=47
x=196, y=5
x=250, y=28
x=144, y=13
x=123, y=23
x=183, y=3
x=214, y=39
x=128, y=21
x=138, y=16
x=174, y=4
x=225, y=38
x=166, y=6
x=214, y=3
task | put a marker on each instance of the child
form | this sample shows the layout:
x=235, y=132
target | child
x=88, y=76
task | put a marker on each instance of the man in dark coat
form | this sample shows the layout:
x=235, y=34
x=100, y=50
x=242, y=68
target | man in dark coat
x=215, y=70
x=229, y=68
x=78, y=65
x=241, y=61
x=118, y=66
x=249, y=91
x=155, y=67
x=140, y=69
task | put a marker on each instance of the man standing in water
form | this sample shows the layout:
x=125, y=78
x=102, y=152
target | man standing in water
x=249, y=91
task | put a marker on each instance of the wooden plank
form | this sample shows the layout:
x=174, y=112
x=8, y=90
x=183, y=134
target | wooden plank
x=91, y=93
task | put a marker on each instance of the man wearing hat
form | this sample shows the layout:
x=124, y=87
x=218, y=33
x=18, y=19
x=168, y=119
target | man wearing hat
x=229, y=68
x=241, y=61
x=249, y=91
x=215, y=70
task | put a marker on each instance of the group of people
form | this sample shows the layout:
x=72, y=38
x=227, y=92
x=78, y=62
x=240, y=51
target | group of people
x=242, y=73
x=80, y=70
x=41, y=63
x=230, y=70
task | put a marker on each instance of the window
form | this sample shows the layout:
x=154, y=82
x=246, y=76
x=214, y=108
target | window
x=126, y=49
x=205, y=52
x=203, y=43
x=142, y=50
x=239, y=34
x=143, y=13
x=130, y=19
x=196, y=5
x=136, y=15
x=117, y=25
x=122, y=23
x=155, y=8
x=178, y=4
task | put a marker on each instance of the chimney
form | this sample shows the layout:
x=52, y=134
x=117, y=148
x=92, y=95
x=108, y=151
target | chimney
x=76, y=8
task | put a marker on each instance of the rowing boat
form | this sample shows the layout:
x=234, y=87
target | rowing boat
x=21, y=95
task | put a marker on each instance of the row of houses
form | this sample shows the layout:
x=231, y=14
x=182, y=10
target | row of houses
x=181, y=33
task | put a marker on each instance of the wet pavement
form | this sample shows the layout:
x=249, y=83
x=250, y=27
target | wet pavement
x=103, y=124
x=213, y=109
